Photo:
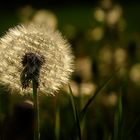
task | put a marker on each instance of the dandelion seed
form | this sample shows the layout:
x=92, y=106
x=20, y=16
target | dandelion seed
x=34, y=50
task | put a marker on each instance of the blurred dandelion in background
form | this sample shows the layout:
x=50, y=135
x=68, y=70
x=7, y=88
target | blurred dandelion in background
x=45, y=17
x=114, y=15
x=99, y=14
x=84, y=89
x=25, y=13
x=83, y=69
x=97, y=33
x=134, y=74
x=120, y=56
x=43, y=42
x=28, y=14
x=109, y=99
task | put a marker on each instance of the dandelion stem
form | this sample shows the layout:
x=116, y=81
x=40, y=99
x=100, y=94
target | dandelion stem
x=36, y=110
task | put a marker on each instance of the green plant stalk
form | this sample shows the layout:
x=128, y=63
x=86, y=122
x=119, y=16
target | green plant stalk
x=57, y=124
x=75, y=113
x=36, y=110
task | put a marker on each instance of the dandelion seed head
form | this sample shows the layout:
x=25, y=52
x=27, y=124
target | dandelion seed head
x=43, y=43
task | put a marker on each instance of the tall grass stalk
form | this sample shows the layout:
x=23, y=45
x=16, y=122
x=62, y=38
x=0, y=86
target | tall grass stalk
x=76, y=117
x=36, y=110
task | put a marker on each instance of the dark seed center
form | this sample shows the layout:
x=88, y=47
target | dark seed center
x=32, y=64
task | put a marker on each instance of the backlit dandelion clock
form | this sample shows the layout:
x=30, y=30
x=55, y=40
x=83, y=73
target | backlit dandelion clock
x=36, y=59
x=34, y=52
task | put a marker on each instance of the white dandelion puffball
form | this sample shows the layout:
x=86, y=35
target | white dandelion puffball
x=43, y=42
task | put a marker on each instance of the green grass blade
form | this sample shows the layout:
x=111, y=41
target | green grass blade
x=99, y=90
x=75, y=113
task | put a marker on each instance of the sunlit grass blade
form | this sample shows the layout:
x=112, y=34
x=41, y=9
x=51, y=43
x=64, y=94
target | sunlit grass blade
x=57, y=124
x=76, y=117
x=99, y=90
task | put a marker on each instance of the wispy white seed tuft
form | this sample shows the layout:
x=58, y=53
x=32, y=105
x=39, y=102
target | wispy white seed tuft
x=42, y=41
